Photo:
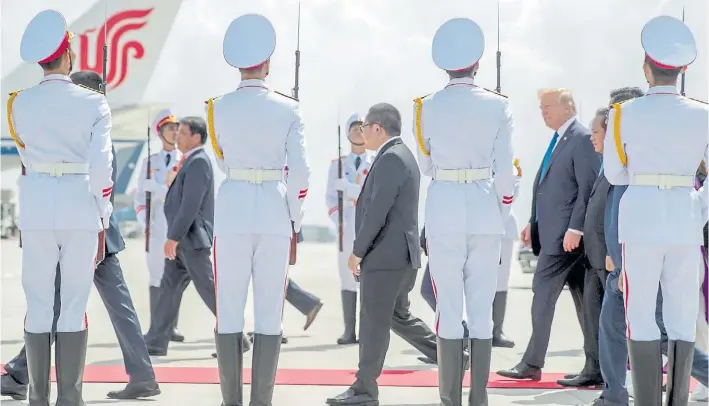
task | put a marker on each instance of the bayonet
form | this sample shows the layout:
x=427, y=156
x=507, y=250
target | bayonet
x=296, y=88
x=498, y=89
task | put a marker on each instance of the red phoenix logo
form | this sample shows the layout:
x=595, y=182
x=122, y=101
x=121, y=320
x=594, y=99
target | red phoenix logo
x=113, y=30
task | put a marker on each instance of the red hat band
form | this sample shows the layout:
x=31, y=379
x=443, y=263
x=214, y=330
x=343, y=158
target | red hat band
x=662, y=65
x=62, y=47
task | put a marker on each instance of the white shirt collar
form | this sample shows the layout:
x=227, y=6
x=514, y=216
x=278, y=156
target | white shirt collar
x=192, y=151
x=56, y=76
x=662, y=90
x=389, y=141
x=565, y=126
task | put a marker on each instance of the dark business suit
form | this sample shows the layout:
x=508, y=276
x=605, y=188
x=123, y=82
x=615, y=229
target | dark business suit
x=387, y=237
x=558, y=203
x=189, y=210
x=113, y=290
x=594, y=243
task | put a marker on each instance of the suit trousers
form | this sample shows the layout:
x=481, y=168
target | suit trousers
x=300, y=298
x=593, y=289
x=41, y=253
x=189, y=265
x=553, y=272
x=384, y=306
x=613, y=344
x=240, y=258
x=112, y=288
x=464, y=270
x=675, y=269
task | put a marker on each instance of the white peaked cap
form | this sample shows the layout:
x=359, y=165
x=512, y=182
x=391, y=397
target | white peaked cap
x=249, y=41
x=668, y=42
x=458, y=44
x=353, y=119
x=163, y=117
x=45, y=37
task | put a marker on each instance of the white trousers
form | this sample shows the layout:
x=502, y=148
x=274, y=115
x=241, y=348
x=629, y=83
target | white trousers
x=238, y=259
x=347, y=280
x=464, y=270
x=156, y=253
x=675, y=268
x=503, y=270
x=75, y=252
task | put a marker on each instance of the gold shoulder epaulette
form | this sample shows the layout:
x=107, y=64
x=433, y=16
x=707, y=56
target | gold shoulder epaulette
x=86, y=87
x=423, y=97
x=698, y=101
x=285, y=95
x=10, y=124
x=492, y=91
x=212, y=99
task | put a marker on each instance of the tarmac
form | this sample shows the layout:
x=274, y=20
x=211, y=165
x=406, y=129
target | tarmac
x=314, y=349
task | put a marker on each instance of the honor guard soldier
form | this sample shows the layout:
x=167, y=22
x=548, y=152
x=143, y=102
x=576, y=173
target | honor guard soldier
x=254, y=131
x=163, y=165
x=464, y=137
x=62, y=132
x=355, y=167
x=656, y=144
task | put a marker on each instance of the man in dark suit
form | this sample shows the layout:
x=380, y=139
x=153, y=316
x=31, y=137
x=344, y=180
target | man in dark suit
x=189, y=210
x=560, y=193
x=386, y=255
x=112, y=288
x=594, y=243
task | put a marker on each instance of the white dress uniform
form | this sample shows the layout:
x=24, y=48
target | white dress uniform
x=354, y=171
x=161, y=163
x=464, y=136
x=658, y=141
x=509, y=237
x=62, y=131
x=255, y=132
x=351, y=185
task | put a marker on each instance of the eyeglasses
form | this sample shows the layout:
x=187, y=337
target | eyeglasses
x=363, y=126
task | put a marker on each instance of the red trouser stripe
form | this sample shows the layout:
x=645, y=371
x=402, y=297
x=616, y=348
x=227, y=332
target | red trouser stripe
x=216, y=292
x=626, y=288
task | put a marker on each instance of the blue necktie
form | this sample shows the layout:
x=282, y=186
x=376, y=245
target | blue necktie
x=547, y=156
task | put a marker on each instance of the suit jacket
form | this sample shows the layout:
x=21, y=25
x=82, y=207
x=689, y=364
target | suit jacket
x=386, y=217
x=594, y=237
x=563, y=193
x=189, y=204
x=114, y=239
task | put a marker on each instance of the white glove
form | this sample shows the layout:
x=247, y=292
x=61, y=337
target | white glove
x=351, y=190
x=341, y=184
x=140, y=216
x=105, y=209
x=150, y=185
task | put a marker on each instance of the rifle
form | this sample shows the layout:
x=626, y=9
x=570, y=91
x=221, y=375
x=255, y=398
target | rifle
x=294, y=238
x=340, y=194
x=498, y=89
x=148, y=195
x=681, y=91
x=101, y=252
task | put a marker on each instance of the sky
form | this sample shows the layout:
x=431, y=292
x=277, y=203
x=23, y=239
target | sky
x=356, y=53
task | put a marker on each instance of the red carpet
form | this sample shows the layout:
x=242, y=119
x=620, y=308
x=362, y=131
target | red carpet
x=315, y=377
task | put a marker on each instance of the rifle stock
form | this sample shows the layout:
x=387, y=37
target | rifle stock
x=148, y=197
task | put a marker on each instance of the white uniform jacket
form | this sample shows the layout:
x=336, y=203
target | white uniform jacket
x=355, y=179
x=466, y=127
x=661, y=133
x=54, y=122
x=511, y=228
x=157, y=186
x=255, y=127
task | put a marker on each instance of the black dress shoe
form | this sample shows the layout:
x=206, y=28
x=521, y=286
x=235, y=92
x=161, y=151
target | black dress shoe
x=350, y=397
x=427, y=360
x=581, y=381
x=136, y=390
x=347, y=340
x=310, y=318
x=176, y=336
x=502, y=342
x=571, y=376
x=522, y=371
x=157, y=352
x=10, y=387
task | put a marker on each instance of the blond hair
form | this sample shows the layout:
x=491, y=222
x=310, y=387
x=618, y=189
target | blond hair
x=566, y=97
